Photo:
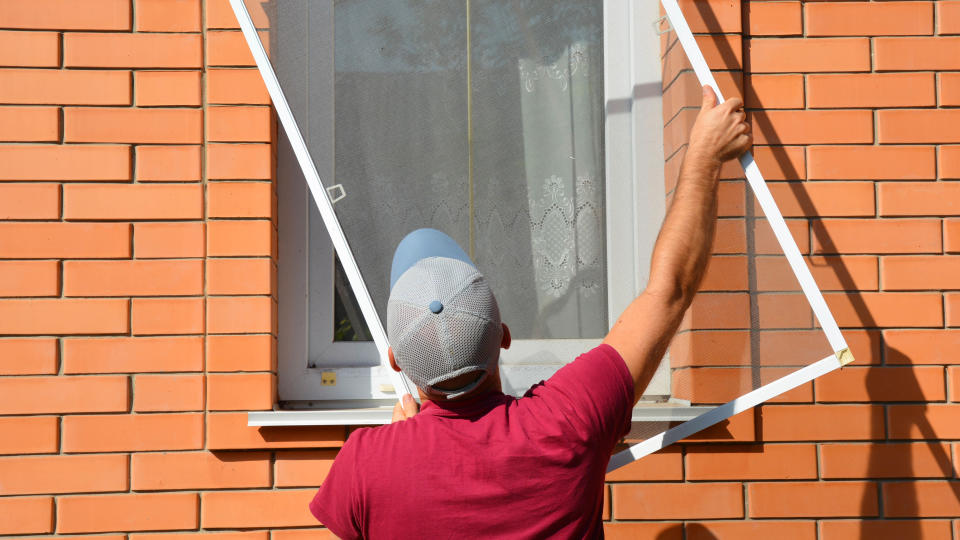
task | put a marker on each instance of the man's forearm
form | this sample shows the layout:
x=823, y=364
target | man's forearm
x=683, y=246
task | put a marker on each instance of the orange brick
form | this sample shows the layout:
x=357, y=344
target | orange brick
x=29, y=124
x=167, y=15
x=229, y=48
x=27, y=356
x=677, y=501
x=934, y=421
x=220, y=14
x=677, y=132
x=876, y=236
x=26, y=515
x=29, y=49
x=166, y=316
x=239, y=124
x=922, y=346
x=882, y=384
x=240, y=314
x=240, y=199
x=738, y=428
x=229, y=431
x=787, y=55
x=38, y=395
x=239, y=276
x=241, y=353
x=823, y=199
x=774, y=91
x=132, y=433
x=830, y=273
x=29, y=435
x=715, y=386
x=788, y=310
x=871, y=162
x=236, y=87
x=730, y=237
x=62, y=316
x=921, y=499
x=132, y=278
x=860, y=19
x=918, y=126
x=952, y=304
x=765, y=242
x=66, y=14
x=102, y=124
x=127, y=512
x=250, y=509
x=625, y=530
x=812, y=499
x=64, y=163
x=730, y=198
x=812, y=127
x=65, y=87
x=951, y=235
x=712, y=17
x=685, y=91
x=886, y=309
x=133, y=355
x=55, y=240
x=725, y=274
x=953, y=376
x=886, y=529
x=308, y=468
x=168, y=240
x=241, y=391
x=200, y=470
x=239, y=161
x=168, y=393
x=168, y=163
x=871, y=90
x=719, y=310
x=781, y=162
x=208, y=535
x=737, y=530
x=821, y=422
x=132, y=50
x=948, y=17
x=29, y=278
x=164, y=88
x=63, y=474
x=892, y=460
x=919, y=198
x=916, y=272
x=916, y=53
x=138, y=201
x=710, y=348
x=251, y=238
x=949, y=89
x=752, y=462
x=775, y=18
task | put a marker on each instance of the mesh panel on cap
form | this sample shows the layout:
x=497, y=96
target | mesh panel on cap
x=464, y=337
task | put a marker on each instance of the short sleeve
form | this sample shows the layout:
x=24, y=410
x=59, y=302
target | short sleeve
x=594, y=393
x=336, y=504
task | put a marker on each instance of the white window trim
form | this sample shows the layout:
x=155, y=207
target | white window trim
x=628, y=38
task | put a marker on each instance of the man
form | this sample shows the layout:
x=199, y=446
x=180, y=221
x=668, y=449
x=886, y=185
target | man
x=475, y=463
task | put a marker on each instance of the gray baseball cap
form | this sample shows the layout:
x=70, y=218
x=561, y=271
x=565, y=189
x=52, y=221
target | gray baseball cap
x=442, y=318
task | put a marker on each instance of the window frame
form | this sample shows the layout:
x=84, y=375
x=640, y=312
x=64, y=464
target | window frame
x=633, y=136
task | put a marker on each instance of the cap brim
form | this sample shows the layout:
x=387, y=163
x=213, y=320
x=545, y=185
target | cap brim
x=421, y=244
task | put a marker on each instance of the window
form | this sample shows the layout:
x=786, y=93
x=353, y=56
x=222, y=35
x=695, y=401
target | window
x=528, y=131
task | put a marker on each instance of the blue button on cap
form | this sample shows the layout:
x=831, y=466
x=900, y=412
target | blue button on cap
x=436, y=306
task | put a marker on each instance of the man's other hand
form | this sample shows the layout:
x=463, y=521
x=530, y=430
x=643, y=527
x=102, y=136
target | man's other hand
x=408, y=410
x=720, y=131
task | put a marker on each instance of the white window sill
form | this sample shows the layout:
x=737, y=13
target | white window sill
x=647, y=412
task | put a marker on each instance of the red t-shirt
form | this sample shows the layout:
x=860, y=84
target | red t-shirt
x=490, y=467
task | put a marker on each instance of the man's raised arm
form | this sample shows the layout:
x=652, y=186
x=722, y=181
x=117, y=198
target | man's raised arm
x=645, y=328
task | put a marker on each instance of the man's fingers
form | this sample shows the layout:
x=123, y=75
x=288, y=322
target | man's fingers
x=397, y=413
x=709, y=99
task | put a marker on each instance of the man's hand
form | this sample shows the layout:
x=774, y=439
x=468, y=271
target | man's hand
x=409, y=409
x=720, y=131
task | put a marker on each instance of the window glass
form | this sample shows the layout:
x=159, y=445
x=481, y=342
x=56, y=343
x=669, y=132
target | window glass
x=483, y=119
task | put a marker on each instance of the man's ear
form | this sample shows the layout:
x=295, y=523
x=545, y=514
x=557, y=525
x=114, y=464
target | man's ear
x=393, y=361
x=505, y=341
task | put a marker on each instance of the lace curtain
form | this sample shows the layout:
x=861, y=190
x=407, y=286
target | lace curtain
x=529, y=164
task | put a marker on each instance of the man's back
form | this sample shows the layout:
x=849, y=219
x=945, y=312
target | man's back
x=491, y=466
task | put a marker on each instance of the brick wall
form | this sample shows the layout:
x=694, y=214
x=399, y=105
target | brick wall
x=138, y=279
